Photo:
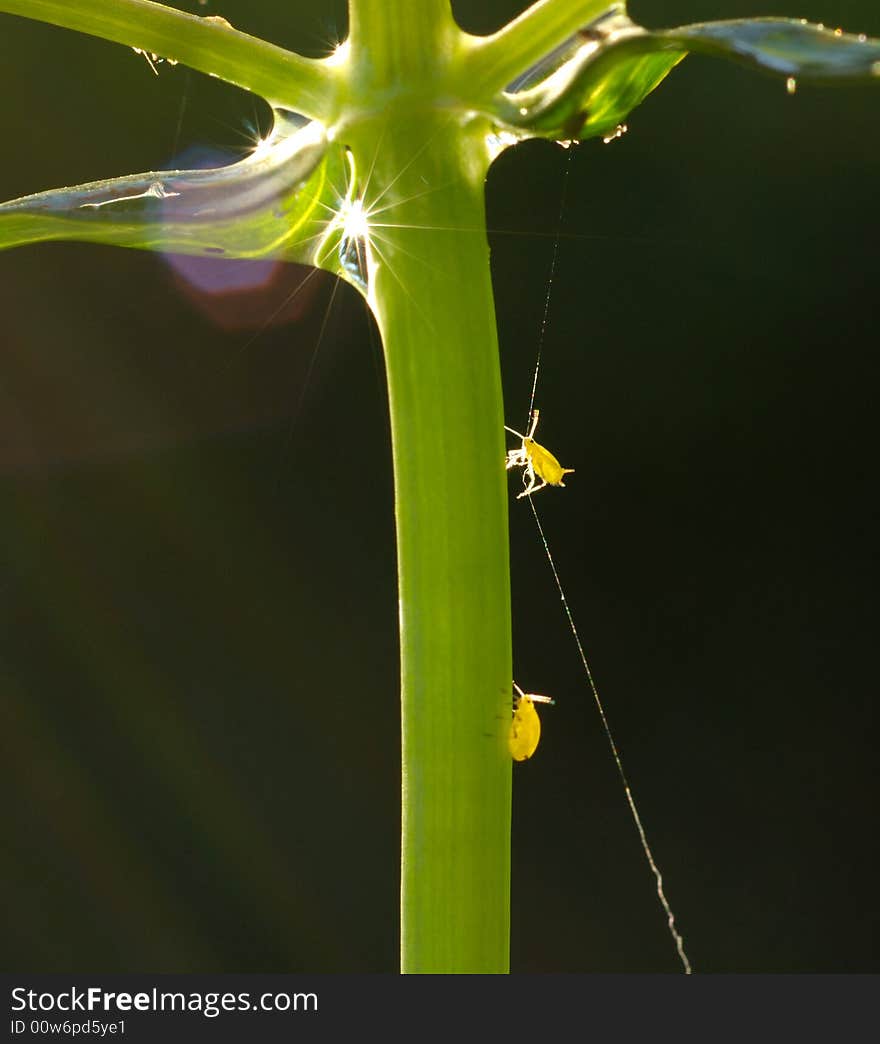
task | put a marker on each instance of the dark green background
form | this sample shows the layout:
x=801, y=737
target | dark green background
x=198, y=651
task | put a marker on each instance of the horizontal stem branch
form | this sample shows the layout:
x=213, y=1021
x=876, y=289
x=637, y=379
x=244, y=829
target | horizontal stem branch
x=284, y=79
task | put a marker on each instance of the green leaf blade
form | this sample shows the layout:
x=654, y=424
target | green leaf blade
x=276, y=203
x=612, y=65
x=785, y=47
x=624, y=88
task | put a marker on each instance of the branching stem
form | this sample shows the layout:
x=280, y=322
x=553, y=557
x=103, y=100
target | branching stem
x=492, y=62
x=284, y=79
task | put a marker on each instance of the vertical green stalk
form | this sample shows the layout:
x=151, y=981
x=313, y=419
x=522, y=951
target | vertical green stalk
x=437, y=326
x=441, y=351
x=451, y=512
x=421, y=172
x=402, y=41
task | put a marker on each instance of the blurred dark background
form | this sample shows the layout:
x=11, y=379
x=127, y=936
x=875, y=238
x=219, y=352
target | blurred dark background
x=198, y=650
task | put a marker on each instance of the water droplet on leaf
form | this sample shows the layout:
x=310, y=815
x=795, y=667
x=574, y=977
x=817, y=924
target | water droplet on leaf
x=618, y=132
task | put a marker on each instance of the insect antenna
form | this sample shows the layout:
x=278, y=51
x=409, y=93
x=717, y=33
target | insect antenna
x=533, y=696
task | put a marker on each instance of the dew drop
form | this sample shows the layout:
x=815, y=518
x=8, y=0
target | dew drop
x=352, y=255
x=618, y=132
x=791, y=85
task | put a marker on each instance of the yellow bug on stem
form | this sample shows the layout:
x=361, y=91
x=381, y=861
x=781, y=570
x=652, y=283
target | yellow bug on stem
x=538, y=461
x=525, y=729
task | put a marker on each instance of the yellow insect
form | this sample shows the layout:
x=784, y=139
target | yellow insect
x=525, y=729
x=538, y=461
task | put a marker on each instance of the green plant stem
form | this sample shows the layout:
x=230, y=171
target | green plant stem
x=399, y=42
x=492, y=62
x=284, y=79
x=422, y=172
x=438, y=332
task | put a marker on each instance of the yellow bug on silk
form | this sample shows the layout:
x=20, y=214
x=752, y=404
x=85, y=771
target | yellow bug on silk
x=525, y=729
x=539, y=463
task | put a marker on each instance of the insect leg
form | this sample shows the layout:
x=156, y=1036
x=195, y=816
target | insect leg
x=529, y=477
x=532, y=488
x=515, y=459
